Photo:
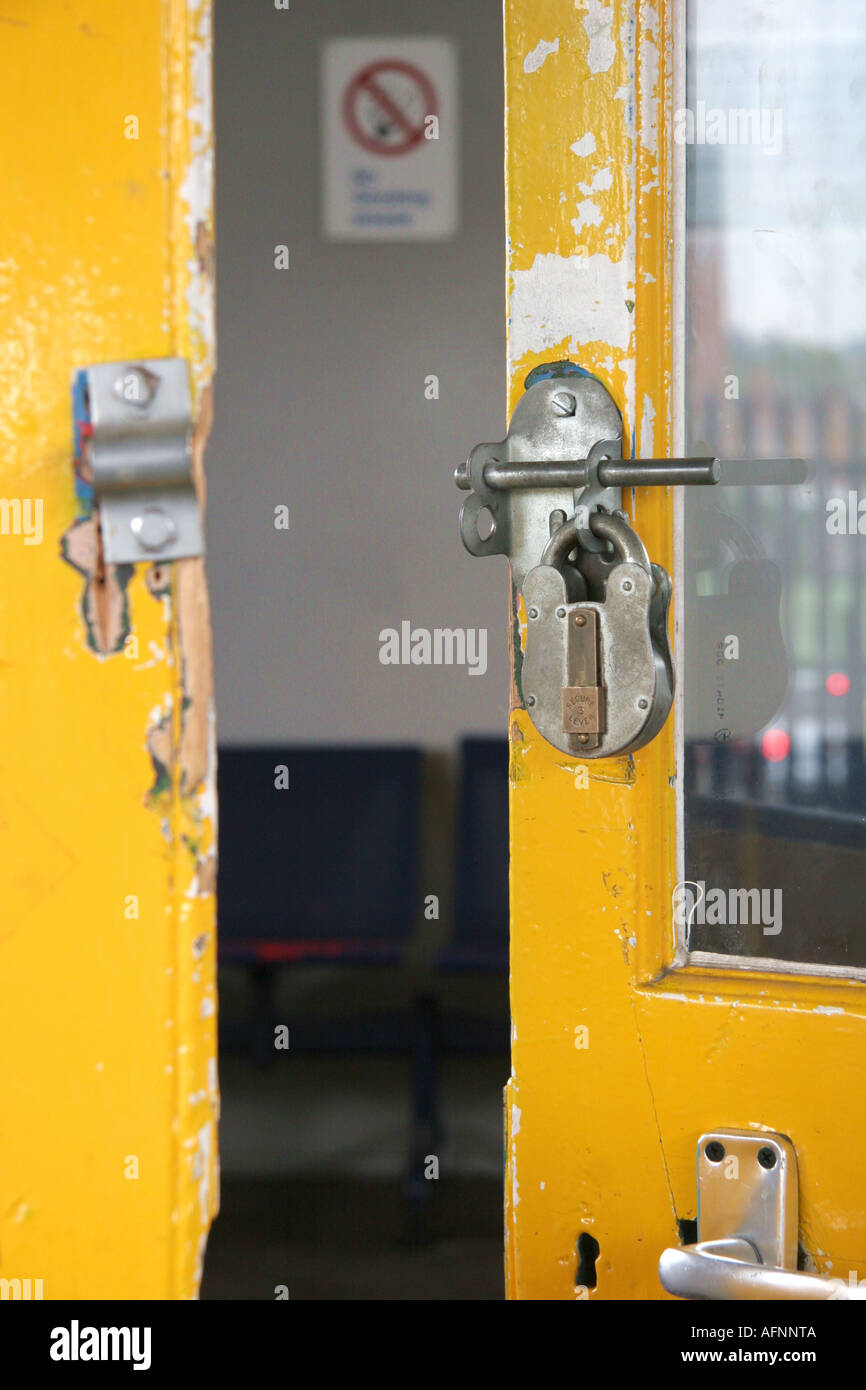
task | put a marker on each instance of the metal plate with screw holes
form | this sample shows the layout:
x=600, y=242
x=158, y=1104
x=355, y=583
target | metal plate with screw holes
x=749, y=1192
x=141, y=458
x=560, y=418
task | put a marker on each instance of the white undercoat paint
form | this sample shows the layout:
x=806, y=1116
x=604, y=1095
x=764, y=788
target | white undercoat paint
x=598, y=23
x=648, y=128
x=588, y=215
x=601, y=181
x=542, y=50
x=647, y=428
x=585, y=145
x=572, y=300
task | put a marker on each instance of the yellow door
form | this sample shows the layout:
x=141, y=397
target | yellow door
x=108, y=1092
x=693, y=277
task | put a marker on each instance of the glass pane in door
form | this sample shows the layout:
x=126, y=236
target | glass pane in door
x=774, y=132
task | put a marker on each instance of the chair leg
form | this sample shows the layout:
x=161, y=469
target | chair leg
x=263, y=1010
x=424, y=1137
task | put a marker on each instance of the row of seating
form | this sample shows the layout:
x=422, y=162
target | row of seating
x=327, y=868
x=319, y=858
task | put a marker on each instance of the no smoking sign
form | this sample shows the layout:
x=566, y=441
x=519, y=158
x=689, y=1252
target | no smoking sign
x=389, y=139
x=390, y=106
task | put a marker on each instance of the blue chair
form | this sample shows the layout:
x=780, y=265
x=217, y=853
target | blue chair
x=326, y=869
x=322, y=871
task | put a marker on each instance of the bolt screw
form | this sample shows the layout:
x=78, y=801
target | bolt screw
x=530, y=701
x=767, y=1157
x=153, y=528
x=715, y=1151
x=564, y=403
x=583, y=738
x=136, y=387
x=643, y=702
x=580, y=620
x=560, y=612
x=627, y=586
x=533, y=613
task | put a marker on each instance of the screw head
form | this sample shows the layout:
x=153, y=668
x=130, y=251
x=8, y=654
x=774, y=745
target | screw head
x=643, y=702
x=533, y=614
x=580, y=620
x=767, y=1157
x=627, y=586
x=530, y=701
x=560, y=612
x=563, y=403
x=715, y=1151
x=583, y=738
x=136, y=387
x=153, y=528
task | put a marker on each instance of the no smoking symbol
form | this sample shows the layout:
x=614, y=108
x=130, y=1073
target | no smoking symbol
x=386, y=104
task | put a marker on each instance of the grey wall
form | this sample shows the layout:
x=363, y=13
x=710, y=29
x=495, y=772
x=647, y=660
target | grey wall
x=320, y=400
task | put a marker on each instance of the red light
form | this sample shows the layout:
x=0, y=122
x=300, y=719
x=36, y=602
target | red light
x=775, y=745
x=838, y=683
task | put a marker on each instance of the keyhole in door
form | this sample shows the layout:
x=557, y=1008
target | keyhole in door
x=587, y=1254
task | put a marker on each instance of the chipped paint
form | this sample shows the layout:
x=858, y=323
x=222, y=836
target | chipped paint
x=598, y=23
x=584, y=146
x=674, y=1048
x=542, y=50
x=124, y=741
x=565, y=302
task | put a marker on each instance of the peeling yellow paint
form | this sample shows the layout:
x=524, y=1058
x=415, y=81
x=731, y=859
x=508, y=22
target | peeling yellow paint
x=107, y=812
x=606, y=1136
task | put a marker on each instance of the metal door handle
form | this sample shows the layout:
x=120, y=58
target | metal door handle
x=730, y=1269
x=748, y=1217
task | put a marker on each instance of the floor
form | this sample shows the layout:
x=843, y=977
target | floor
x=314, y=1153
x=346, y=1239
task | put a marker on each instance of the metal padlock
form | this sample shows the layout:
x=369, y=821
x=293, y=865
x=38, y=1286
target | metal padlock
x=597, y=675
x=597, y=671
x=604, y=685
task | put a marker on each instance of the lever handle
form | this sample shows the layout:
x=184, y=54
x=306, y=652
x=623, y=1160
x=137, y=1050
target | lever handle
x=729, y=1269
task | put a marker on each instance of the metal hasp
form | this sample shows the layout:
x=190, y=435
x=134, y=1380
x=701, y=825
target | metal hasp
x=597, y=673
x=748, y=1208
x=133, y=448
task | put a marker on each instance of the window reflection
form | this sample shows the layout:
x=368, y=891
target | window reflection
x=774, y=612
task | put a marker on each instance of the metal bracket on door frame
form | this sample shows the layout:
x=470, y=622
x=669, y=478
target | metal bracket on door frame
x=133, y=450
x=748, y=1210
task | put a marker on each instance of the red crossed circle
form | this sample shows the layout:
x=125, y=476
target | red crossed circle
x=367, y=82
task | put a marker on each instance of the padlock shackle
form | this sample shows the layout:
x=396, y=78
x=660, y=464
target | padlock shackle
x=621, y=536
x=614, y=529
